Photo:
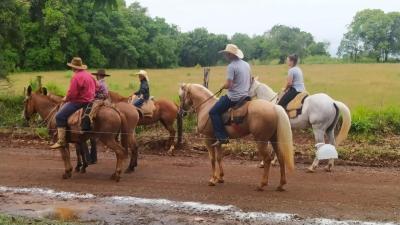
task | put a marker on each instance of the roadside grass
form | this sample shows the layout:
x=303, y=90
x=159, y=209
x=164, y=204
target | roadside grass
x=19, y=220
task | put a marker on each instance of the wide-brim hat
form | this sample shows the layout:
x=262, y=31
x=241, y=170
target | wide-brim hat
x=77, y=63
x=233, y=49
x=143, y=73
x=101, y=73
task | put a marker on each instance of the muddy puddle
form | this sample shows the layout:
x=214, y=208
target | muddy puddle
x=91, y=209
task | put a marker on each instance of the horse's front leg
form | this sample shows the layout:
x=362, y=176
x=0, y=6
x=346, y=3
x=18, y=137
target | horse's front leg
x=281, y=165
x=211, y=154
x=67, y=162
x=220, y=155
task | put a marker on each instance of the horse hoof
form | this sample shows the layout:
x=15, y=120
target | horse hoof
x=130, y=170
x=280, y=189
x=66, y=176
x=83, y=170
x=77, y=169
x=259, y=189
x=310, y=170
x=211, y=184
x=261, y=165
x=221, y=181
x=328, y=170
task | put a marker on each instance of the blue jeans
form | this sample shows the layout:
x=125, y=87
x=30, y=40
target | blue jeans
x=216, y=112
x=138, y=102
x=66, y=111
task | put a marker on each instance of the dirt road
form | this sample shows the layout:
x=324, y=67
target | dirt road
x=348, y=193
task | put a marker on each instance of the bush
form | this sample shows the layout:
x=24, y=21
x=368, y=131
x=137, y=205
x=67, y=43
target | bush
x=384, y=121
x=11, y=108
x=55, y=89
x=321, y=59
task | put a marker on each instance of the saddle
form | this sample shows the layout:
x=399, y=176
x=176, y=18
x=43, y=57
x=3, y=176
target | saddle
x=237, y=113
x=295, y=107
x=83, y=118
x=147, y=109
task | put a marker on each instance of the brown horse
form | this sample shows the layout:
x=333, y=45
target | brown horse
x=109, y=122
x=166, y=112
x=132, y=117
x=264, y=120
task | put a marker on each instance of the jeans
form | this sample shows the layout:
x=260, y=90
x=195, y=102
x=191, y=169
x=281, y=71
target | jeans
x=287, y=97
x=138, y=102
x=66, y=111
x=216, y=112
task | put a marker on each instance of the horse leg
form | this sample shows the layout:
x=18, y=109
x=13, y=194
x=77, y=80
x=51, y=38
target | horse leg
x=266, y=157
x=281, y=166
x=67, y=162
x=319, y=138
x=169, y=144
x=331, y=140
x=211, y=154
x=78, y=157
x=84, y=153
x=220, y=155
x=134, y=154
x=120, y=154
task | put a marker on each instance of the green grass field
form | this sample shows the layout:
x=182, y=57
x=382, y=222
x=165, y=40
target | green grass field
x=373, y=86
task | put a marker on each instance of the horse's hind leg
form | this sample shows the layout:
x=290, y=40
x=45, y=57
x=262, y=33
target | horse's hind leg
x=78, y=157
x=331, y=140
x=319, y=136
x=84, y=153
x=170, y=127
x=134, y=154
x=266, y=157
x=120, y=154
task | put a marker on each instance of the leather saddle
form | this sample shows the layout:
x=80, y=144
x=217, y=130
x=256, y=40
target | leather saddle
x=295, y=107
x=237, y=113
x=147, y=109
x=83, y=118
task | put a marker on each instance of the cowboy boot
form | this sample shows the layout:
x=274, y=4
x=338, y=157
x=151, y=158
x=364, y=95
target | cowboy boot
x=61, y=139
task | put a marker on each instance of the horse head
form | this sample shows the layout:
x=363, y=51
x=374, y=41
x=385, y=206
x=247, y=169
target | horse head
x=185, y=96
x=29, y=107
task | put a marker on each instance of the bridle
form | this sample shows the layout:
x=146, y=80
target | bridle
x=194, y=108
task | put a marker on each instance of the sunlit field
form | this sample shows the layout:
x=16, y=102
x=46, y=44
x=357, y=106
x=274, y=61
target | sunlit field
x=370, y=85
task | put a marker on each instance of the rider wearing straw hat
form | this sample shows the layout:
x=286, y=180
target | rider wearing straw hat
x=238, y=85
x=144, y=91
x=80, y=93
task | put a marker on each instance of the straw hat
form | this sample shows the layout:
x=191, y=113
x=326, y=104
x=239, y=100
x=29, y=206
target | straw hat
x=143, y=73
x=233, y=49
x=101, y=73
x=76, y=63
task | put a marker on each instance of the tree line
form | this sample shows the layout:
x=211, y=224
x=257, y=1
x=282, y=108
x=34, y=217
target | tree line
x=45, y=34
x=372, y=34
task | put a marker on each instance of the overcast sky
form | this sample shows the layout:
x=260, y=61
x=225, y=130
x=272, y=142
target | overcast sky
x=325, y=19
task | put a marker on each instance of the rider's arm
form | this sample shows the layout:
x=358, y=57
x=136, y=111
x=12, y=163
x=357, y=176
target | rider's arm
x=289, y=81
x=73, y=91
x=228, y=84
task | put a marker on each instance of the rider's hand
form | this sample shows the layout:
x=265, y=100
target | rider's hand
x=64, y=99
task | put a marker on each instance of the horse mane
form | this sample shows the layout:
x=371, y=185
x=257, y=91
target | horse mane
x=202, y=89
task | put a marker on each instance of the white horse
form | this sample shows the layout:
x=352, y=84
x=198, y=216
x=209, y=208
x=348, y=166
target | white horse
x=319, y=111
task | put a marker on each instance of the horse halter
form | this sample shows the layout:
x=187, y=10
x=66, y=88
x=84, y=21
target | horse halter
x=194, y=108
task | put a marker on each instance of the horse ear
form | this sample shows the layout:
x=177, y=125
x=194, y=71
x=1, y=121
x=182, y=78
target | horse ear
x=44, y=91
x=29, y=91
x=182, y=85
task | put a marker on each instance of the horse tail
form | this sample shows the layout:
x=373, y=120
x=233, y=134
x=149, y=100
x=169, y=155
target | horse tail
x=284, y=137
x=346, y=124
x=179, y=124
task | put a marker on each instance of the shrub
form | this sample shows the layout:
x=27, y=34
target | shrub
x=11, y=108
x=55, y=89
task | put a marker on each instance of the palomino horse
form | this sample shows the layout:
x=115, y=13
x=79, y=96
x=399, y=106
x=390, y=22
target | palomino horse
x=166, y=112
x=319, y=111
x=265, y=121
x=109, y=122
